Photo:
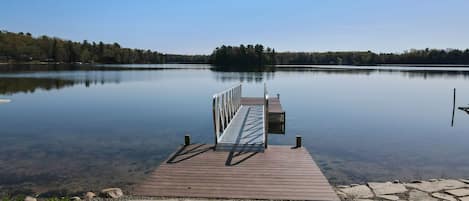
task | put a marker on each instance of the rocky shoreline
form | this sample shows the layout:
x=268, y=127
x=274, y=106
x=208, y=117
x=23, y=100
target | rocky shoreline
x=430, y=190
x=418, y=190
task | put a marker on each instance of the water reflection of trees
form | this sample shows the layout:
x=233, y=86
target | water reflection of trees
x=22, y=68
x=30, y=85
x=13, y=85
x=244, y=76
x=259, y=76
x=407, y=73
x=10, y=84
x=436, y=74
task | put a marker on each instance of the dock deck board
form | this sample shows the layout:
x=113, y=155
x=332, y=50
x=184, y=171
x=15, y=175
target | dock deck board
x=274, y=103
x=279, y=173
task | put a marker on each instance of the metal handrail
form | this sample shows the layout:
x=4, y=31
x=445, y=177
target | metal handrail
x=266, y=115
x=225, y=105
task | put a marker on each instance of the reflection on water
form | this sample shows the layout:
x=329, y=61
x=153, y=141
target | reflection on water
x=27, y=78
x=11, y=86
x=15, y=68
x=248, y=77
x=90, y=128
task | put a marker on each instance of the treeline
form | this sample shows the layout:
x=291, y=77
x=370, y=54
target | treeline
x=186, y=59
x=426, y=56
x=256, y=56
x=249, y=55
x=23, y=47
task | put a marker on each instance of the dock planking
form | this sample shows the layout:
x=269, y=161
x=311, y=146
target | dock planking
x=274, y=103
x=279, y=173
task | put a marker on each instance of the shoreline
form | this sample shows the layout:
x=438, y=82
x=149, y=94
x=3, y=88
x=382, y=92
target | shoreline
x=274, y=65
x=417, y=190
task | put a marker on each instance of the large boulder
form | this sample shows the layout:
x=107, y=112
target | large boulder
x=112, y=193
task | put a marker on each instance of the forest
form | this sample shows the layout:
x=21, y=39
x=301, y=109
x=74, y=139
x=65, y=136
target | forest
x=413, y=56
x=23, y=47
x=249, y=55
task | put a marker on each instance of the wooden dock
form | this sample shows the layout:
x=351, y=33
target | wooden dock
x=278, y=173
x=240, y=164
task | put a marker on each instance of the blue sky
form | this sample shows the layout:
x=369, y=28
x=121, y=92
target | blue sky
x=197, y=26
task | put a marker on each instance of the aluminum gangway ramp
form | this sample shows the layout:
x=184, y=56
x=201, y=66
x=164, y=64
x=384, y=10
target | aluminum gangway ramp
x=239, y=127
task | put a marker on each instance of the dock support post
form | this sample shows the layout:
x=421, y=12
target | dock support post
x=278, y=96
x=454, y=106
x=298, y=141
x=187, y=140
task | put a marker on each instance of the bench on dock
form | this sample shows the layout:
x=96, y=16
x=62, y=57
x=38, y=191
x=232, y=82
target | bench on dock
x=243, y=123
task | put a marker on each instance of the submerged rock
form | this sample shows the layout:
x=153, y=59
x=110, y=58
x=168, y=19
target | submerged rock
x=112, y=192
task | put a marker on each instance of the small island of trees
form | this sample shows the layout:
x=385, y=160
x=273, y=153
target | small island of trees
x=243, y=56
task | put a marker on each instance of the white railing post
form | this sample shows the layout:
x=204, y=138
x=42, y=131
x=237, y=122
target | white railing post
x=224, y=107
x=266, y=115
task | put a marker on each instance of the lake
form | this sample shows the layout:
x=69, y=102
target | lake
x=69, y=127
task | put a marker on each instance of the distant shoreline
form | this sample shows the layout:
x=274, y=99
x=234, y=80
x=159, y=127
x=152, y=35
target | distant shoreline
x=276, y=65
x=376, y=65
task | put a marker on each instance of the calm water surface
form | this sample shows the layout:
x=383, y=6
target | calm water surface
x=80, y=130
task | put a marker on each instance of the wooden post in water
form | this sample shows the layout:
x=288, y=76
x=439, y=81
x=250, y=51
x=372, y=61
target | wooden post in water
x=298, y=141
x=187, y=140
x=454, y=106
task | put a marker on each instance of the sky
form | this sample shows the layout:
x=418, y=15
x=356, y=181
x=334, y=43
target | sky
x=198, y=26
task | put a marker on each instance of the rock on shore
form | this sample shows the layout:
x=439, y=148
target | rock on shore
x=431, y=190
x=112, y=192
